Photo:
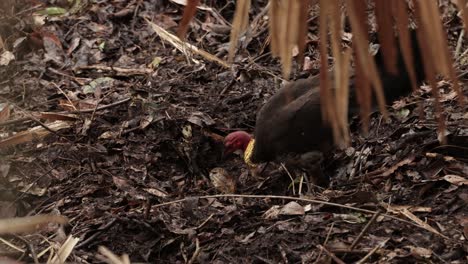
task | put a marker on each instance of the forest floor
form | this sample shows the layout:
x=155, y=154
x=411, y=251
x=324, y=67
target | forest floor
x=142, y=125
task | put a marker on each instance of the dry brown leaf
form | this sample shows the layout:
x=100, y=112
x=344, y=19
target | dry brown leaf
x=121, y=183
x=222, y=181
x=404, y=211
x=5, y=113
x=58, y=116
x=456, y=180
x=156, y=192
x=392, y=169
x=272, y=213
x=420, y=252
x=292, y=208
x=37, y=133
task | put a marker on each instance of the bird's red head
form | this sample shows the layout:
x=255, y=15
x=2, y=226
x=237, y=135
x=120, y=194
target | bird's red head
x=236, y=141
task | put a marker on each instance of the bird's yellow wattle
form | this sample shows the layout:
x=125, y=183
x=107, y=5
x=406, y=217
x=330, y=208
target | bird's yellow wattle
x=248, y=153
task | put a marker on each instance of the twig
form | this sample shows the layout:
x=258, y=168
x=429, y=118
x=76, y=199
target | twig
x=184, y=46
x=290, y=176
x=118, y=71
x=28, y=118
x=33, y=118
x=76, y=79
x=204, y=222
x=96, y=107
x=283, y=254
x=98, y=232
x=64, y=94
x=459, y=43
x=30, y=248
x=196, y=253
x=364, y=259
x=325, y=242
x=364, y=230
x=15, y=121
x=99, y=108
x=333, y=256
x=291, y=199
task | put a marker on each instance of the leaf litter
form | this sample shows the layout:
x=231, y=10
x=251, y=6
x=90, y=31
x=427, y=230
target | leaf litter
x=138, y=123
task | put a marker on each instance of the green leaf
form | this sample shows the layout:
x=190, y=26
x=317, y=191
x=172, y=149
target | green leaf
x=53, y=11
x=403, y=113
x=155, y=63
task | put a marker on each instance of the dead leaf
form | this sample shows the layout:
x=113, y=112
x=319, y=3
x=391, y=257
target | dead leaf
x=4, y=112
x=53, y=48
x=448, y=97
x=412, y=217
x=156, y=192
x=86, y=126
x=67, y=106
x=247, y=238
x=34, y=189
x=97, y=85
x=292, y=208
x=272, y=213
x=308, y=64
x=6, y=57
x=146, y=121
x=392, y=169
x=165, y=21
x=351, y=218
x=121, y=183
x=187, y=131
x=201, y=119
x=222, y=181
x=463, y=222
x=73, y=45
x=57, y=116
x=456, y=180
x=4, y=168
x=37, y=133
x=420, y=252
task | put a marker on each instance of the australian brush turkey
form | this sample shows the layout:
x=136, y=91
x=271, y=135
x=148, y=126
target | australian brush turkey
x=289, y=127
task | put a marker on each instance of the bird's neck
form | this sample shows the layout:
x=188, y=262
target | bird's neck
x=248, y=153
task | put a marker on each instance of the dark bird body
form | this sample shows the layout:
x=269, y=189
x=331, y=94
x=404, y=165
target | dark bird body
x=290, y=122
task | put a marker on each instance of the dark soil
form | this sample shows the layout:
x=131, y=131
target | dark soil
x=161, y=133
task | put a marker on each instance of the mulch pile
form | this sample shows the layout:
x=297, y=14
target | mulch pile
x=147, y=128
